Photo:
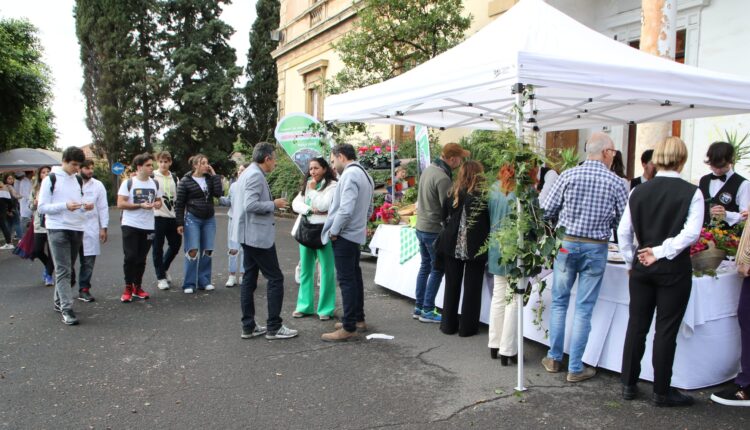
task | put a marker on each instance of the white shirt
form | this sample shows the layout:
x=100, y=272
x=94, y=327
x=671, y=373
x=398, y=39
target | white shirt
x=549, y=180
x=141, y=192
x=672, y=246
x=23, y=186
x=53, y=204
x=97, y=218
x=201, y=180
x=742, y=198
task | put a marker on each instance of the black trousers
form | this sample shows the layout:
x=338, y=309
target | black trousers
x=668, y=296
x=165, y=228
x=265, y=261
x=135, y=245
x=42, y=253
x=5, y=206
x=346, y=255
x=472, y=274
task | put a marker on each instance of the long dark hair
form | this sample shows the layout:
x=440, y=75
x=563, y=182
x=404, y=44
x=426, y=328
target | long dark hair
x=328, y=177
x=38, y=177
x=470, y=179
x=618, y=166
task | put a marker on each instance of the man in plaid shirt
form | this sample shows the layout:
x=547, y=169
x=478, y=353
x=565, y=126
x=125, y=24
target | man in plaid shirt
x=588, y=200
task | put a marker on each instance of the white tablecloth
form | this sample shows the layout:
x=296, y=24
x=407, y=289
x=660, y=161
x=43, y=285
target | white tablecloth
x=708, y=346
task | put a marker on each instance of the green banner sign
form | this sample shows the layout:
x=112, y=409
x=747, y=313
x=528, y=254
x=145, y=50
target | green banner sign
x=295, y=134
x=423, y=147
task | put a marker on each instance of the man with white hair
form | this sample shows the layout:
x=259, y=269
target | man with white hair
x=588, y=201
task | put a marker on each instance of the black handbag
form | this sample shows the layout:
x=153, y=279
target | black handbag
x=308, y=234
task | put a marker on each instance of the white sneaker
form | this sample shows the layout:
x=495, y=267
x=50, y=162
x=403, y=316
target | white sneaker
x=231, y=282
x=162, y=284
x=7, y=246
x=209, y=287
x=188, y=291
x=297, y=274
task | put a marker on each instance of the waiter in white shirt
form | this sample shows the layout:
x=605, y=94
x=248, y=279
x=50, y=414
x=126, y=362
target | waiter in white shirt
x=726, y=193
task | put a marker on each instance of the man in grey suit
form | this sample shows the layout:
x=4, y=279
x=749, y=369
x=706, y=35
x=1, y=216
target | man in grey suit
x=346, y=227
x=254, y=229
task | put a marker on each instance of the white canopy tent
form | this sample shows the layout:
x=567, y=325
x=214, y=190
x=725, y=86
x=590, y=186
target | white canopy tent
x=581, y=79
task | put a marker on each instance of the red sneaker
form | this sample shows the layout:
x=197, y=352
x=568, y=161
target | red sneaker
x=138, y=292
x=127, y=296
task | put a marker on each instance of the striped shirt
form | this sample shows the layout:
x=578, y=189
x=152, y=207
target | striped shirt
x=588, y=200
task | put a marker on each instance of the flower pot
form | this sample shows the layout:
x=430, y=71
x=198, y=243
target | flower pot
x=709, y=259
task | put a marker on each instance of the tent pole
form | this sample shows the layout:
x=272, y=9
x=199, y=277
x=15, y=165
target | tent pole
x=393, y=179
x=521, y=287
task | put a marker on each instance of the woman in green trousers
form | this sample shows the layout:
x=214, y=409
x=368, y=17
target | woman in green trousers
x=312, y=202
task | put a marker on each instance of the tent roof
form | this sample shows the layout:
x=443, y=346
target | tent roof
x=28, y=158
x=581, y=79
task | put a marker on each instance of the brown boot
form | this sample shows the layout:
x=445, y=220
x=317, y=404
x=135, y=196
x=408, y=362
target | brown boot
x=339, y=335
x=361, y=326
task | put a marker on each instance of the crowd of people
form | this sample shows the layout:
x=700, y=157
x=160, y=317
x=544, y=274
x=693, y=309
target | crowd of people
x=594, y=203
x=67, y=209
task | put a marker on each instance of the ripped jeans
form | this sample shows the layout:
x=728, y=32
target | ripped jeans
x=198, y=241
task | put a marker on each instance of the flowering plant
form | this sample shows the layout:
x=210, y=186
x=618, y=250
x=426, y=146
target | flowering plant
x=376, y=155
x=723, y=238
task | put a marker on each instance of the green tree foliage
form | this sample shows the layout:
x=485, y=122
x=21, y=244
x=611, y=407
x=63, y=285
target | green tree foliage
x=25, y=117
x=393, y=36
x=123, y=73
x=201, y=72
x=259, y=112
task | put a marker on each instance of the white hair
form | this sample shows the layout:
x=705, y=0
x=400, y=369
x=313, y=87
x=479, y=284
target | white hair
x=597, y=143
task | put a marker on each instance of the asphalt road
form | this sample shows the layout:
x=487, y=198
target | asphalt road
x=177, y=361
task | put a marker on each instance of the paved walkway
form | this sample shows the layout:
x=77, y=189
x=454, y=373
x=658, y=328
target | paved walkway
x=177, y=361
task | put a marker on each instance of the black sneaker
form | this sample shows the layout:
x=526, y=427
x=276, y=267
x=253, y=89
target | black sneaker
x=736, y=396
x=85, y=296
x=69, y=317
x=57, y=306
x=249, y=333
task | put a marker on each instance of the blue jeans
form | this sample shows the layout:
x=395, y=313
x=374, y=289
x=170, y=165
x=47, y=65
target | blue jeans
x=199, y=237
x=235, y=260
x=428, y=279
x=585, y=261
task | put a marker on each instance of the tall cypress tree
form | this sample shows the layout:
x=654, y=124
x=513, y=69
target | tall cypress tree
x=123, y=74
x=202, y=73
x=261, y=90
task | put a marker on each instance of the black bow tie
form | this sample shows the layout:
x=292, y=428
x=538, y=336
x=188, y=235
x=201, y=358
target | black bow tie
x=722, y=178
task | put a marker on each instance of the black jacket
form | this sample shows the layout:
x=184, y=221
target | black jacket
x=477, y=231
x=191, y=197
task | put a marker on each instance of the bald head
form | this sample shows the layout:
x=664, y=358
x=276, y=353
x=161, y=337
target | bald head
x=600, y=147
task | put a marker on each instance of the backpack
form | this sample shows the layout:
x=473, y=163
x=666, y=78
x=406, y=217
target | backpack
x=53, y=182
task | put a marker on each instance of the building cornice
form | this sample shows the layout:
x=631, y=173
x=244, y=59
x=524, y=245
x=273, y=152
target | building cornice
x=319, y=29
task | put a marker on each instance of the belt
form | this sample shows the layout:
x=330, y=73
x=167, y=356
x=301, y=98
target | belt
x=583, y=239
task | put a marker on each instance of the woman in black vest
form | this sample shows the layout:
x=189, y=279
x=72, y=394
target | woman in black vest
x=467, y=224
x=661, y=274
x=726, y=193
